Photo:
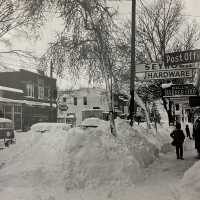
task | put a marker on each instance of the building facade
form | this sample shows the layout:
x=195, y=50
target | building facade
x=27, y=98
x=77, y=102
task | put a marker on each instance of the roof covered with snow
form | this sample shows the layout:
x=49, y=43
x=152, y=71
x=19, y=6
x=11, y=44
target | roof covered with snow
x=31, y=103
x=5, y=120
x=11, y=89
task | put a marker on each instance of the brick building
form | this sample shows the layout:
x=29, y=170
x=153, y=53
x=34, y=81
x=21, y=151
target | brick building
x=25, y=98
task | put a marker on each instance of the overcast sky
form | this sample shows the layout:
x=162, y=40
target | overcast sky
x=192, y=11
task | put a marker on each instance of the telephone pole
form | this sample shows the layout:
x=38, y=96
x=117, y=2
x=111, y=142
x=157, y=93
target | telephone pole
x=51, y=92
x=132, y=67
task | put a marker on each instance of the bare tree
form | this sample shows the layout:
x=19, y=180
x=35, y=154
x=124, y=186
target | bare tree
x=160, y=29
x=86, y=42
x=12, y=18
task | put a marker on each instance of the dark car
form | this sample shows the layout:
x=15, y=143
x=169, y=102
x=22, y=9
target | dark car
x=7, y=131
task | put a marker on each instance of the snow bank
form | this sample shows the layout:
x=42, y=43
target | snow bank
x=94, y=121
x=95, y=158
x=52, y=127
x=52, y=157
x=190, y=184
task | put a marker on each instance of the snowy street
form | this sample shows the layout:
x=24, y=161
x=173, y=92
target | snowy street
x=43, y=166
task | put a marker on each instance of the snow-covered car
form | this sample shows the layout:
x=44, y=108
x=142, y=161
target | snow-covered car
x=7, y=131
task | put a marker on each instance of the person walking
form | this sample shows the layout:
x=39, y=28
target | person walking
x=178, y=140
x=187, y=130
x=196, y=135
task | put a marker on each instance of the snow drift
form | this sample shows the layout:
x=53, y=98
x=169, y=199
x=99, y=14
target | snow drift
x=94, y=157
x=49, y=157
x=190, y=184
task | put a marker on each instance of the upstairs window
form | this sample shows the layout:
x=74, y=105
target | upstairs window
x=30, y=90
x=40, y=89
x=84, y=100
x=64, y=99
x=75, y=101
x=40, y=92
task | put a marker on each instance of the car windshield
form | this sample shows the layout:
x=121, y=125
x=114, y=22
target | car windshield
x=5, y=125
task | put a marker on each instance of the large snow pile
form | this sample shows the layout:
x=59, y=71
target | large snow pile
x=49, y=158
x=190, y=184
x=94, y=157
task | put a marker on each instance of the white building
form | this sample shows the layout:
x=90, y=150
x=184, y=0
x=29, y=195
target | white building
x=79, y=100
x=72, y=103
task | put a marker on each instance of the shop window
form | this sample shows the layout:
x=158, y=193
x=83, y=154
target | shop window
x=64, y=99
x=8, y=112
x=1, y=111
x=177, y=106
x=75, y=101
x=47, y=92
x=84, y=100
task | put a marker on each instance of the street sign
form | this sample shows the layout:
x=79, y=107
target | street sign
x=194, y=101
x=63, y=107
x=161, y=67
x=180, y=90
x=168, y=74
x=176, y=58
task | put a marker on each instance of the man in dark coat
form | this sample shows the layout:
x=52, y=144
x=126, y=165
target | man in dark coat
x=178, y=137
x=196, y=134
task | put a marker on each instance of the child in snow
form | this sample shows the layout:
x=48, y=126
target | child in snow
x=178, y=137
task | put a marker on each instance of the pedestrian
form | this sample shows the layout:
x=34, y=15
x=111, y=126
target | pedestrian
x=187, y=130
x=178, y=140
x=196, y=135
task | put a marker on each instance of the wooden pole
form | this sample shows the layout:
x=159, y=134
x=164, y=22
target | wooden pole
x=51, y=92
x=132, y=70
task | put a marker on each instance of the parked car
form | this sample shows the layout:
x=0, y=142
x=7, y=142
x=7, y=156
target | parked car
x=7, y=131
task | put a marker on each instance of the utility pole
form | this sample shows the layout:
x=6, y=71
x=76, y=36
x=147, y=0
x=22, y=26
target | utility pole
x=51, y=92
x=132, y=69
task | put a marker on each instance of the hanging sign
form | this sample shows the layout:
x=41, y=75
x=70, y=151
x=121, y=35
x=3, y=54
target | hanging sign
x=169, y=74
x=161, y=67
x=180, y=90
x=176, y=58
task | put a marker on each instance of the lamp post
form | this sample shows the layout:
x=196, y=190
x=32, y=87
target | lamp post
x=132, y=67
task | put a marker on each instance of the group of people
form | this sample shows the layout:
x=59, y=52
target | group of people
x=178, y=137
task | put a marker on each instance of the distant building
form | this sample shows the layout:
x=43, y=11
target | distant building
x=83, y=101
x=25, y=98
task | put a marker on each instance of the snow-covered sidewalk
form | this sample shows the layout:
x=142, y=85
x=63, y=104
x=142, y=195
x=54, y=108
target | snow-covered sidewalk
x=161, y=180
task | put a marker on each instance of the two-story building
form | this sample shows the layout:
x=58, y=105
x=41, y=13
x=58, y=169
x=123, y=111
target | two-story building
x=77, y=102
x=27, y=98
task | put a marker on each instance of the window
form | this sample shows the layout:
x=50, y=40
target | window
x=64, y=99
x=30, y=90
x=75, y=101
x=84, y=100
x=40, y=89
x=177, y=106
x=47, y=92
x=40, y=92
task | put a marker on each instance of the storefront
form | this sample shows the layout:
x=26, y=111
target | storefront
x=11, y=110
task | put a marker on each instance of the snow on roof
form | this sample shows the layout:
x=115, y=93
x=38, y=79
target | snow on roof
x=32, y=103
x=5, y=120
x=11, y=89
x=36, y=103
